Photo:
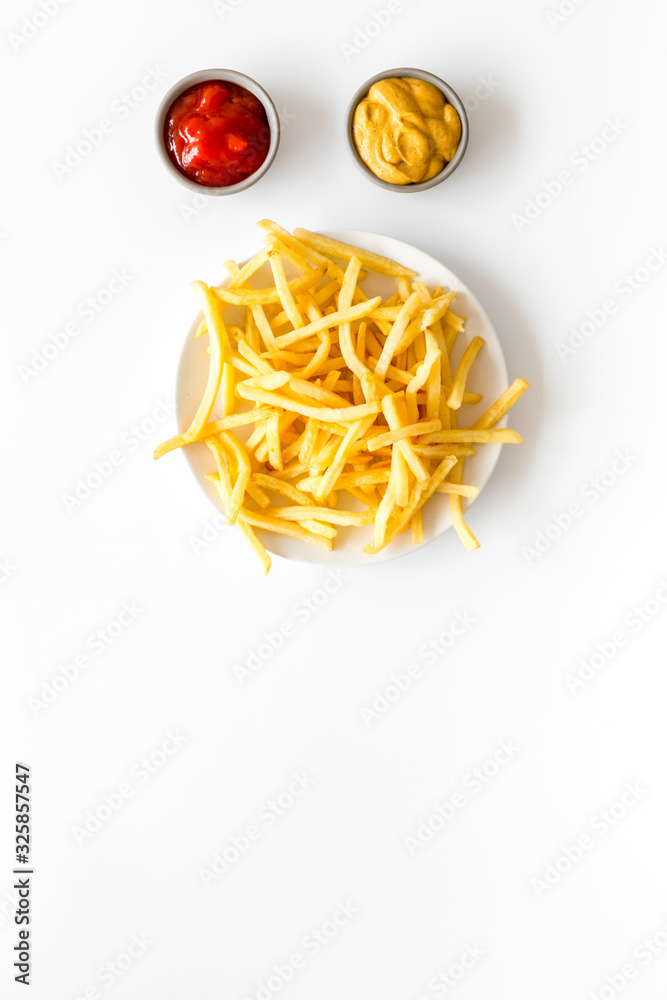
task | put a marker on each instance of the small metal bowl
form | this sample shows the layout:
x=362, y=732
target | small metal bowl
x=450, y=95
x=228, y=76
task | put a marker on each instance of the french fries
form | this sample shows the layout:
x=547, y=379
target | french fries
x=335, y=394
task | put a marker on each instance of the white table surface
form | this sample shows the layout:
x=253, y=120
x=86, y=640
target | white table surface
x=572, y=567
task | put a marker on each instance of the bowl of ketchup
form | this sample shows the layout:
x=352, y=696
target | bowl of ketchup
x=217, y=131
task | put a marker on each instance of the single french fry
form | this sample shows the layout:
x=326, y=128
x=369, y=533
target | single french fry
x=345, y=517
x=247, y=532
x=325, y=414
x=414, y=462
x=459, y=489
x=227, y=386
x=244, y=471
x=408, y=310
x=418, y=497
x=284, y=527
x=289, y=253
x=502, y=405
x=275, y=380
x=273, y=440
x=417, y=526
x=293, y=493
x=472, y=436
x=264, y=296
x=327, y=322
x=343, y=251
x=420, y=377
x=442, y=450
x=264, y=327
x=319, y=528
x=356, y=366
x=244, y=273
x=438, y=308
x=456, y=511
x=300, y=247
x=220, y=353
x=455, y=397
x=285, y=421
x=304, y=389
x=400, y=476
x=383, y=514
x=262, y=366
x=318, y=358
x=409, y=430
x=258, y=495
x=355, y=431
x=284, y=291
x=234, y=420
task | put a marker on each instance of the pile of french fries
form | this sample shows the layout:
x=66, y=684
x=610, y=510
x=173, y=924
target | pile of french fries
x=344, y=393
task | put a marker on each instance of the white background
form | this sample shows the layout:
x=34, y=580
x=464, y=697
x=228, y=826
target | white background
x=535, y=614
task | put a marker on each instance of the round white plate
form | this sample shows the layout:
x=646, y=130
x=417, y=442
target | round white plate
x=489, y=377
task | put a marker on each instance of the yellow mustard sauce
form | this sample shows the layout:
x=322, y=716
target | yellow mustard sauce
x=405, y=131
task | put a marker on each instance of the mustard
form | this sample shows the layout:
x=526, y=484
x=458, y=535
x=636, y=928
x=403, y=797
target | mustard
x=405, y=131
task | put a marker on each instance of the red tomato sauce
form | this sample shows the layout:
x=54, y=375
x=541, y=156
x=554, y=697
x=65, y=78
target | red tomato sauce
x=217, y=133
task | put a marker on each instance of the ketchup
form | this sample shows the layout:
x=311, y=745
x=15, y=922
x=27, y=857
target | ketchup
x=217, y=133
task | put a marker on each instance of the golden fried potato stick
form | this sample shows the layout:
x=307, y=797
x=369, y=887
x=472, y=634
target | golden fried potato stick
x=233, y=447
x=358, y=518
x=220, y=353
x=400, y=476
x=234, y=420
x=502, y=404
x=319, y=528
x=239, y=276
x=264, y=296
x=459, y=490
x=293, y=493
x=355, y=431
x=356, y=366
x=284, y=527
x=497, y=436
x=286, y=297
x=298, y=246
x=417, y=527
x=442, y=450
x=262, y=366
x=455, y=397
x=420, y=377
x=408, y=309
x=227, y=387
x=409, y=430
x=318, y=358
x=383, y=514
x=221, y=482
x=421, y=492
x=285, y=421
x=274, y=242
x=343, y=251
x=258, y=495
x=307, y=390
x=456, y=511
x=327, y=322
x=437, y=309
x=263, y=327
x=414, y=462
x=322, y=413
x=274, y=380
x=273, y=440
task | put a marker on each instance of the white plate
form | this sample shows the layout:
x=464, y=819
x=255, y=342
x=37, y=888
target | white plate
x=489, y=377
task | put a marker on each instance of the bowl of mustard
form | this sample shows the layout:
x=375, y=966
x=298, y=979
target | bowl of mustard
x=406, y=130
